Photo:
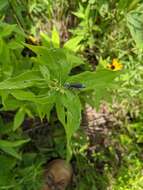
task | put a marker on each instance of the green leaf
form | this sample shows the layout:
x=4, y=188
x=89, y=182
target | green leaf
x=44, y=110
x=44, y=105
x=24, y=80
x=11, y=151
x=4, y=95
x=61, y=112
x=55, y=38
x=73, y=43
x=99, y=82
x=3, y=4
x=6, y=163
x=98, y=96
x=13, y=144
x=46, y=40
x=79, y=15
x=128, y=4
x=11, y=104
x=68, y=109
x=45, y=72
x=81, y=12
x=6, y=29
x=124, y=4
x=60, y=67
x=19, y=118
x=14, y=45
x=74, y=60
x=55, y=60
x=8, y=147
x=23, y=95
x=39, y=50
x=94, y=80
x=7, y=181
x=135, y=25
x=46, y=98
x=6, y=65
x=29, y=113
x=134, y=4
x=1, y=45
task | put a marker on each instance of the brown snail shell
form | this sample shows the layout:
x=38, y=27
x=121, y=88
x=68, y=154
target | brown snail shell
x=58, y=174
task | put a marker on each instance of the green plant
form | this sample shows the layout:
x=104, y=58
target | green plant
x=130, y=176
x=12, y=144
x=84, y=34
x=55, y=84
x=20, y=175
x=37, y=90
x=19, y=170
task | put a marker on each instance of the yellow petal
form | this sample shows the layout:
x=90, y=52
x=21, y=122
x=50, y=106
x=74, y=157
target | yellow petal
x=115, y=65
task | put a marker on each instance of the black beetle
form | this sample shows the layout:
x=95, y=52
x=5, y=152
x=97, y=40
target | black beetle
x=74, y=85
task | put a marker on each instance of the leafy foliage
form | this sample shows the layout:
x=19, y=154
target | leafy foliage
x=54, y=84
x=44, y=84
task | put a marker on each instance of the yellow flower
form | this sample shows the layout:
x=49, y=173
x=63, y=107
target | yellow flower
x=115, y=65
x=32, y=40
